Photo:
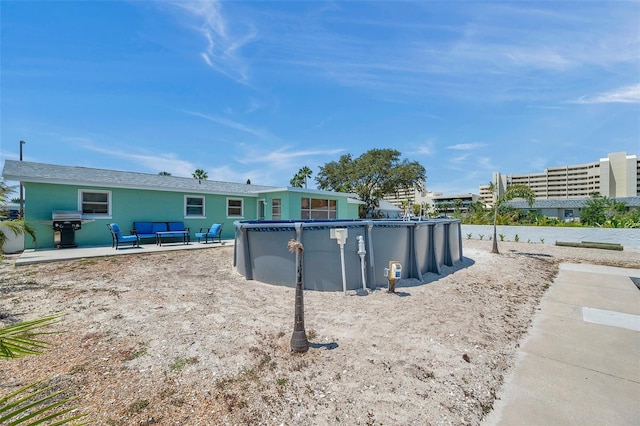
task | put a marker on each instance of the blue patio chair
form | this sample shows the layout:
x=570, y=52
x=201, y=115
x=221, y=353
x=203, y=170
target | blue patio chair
x=212, y=233
x=117, y=237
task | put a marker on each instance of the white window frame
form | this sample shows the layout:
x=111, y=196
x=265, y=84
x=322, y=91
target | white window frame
x=276, y=215
x=241, y=208
x=81, y=193
x=315, y=212
x=195, y=216
x=262, y=202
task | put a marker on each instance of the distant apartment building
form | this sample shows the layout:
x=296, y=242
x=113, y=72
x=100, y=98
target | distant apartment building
x=447, y=204
x=414, y=195
x=616, y=176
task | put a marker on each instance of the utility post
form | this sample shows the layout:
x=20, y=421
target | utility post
x=21, y=187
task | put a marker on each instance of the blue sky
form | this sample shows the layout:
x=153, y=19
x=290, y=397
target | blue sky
x=256, y=90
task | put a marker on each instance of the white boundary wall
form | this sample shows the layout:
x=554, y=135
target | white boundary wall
x=629, y=238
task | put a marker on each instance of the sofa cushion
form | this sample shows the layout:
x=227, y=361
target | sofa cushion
x=158, y=227
x=176, y=226
x=215, y=228
x=142, y=227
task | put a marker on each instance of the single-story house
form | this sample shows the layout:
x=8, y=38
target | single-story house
x=387, y=210
x=107, y=196
x=567, y=209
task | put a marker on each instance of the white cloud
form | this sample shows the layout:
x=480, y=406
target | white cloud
x=254, y=105
x=229, y=123
x=283, y=157
x=467, y=146
x=167, y=162
x=222, y=46
x=460, y=158
x=627, y=94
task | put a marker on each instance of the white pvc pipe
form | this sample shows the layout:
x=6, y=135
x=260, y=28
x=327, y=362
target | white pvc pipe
x=344, y=275
x=362, y=252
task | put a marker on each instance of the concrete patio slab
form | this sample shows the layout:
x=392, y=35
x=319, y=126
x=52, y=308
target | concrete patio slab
x=577, y=368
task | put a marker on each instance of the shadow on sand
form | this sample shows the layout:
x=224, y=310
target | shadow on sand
x=328, y=346
x=430, y=277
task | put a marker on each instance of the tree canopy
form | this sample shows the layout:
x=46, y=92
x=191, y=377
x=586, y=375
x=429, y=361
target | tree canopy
x=373, y=175
x=200, y=174
x=599, y=210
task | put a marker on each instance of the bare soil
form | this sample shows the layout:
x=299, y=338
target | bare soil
x=180, y=338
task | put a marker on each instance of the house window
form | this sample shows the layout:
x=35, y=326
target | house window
x=276, y=209
x=95, y=203
x=317, y=208
x=193, y=206
x=234, y=207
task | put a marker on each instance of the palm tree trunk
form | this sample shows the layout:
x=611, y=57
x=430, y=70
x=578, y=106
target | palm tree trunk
x=299, y=342
x=494, y=249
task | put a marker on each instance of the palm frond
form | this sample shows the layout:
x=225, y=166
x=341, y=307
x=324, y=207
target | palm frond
x=31, y=403
x=19, y=339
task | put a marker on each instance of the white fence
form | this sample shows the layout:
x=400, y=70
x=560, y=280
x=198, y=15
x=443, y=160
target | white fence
x=629, y=238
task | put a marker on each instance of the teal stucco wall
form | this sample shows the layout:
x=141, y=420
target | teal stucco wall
x=130, y=205
x=127, y=206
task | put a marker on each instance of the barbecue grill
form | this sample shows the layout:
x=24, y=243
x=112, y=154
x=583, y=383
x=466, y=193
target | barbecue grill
x=65, y=225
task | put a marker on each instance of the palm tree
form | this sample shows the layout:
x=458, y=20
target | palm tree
x=515, y=191
x=200, y=175
x=457, y=207
x=299, y=342
x=305, y=173
x=17, y=226
x=301, y=177
x=32, y=404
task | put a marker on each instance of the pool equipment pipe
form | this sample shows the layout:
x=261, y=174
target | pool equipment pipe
x=393, y=274
x=340, y=235
x=362, y=253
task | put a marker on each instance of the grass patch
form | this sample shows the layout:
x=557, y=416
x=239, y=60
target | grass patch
x=179, y=363
x=137, y=406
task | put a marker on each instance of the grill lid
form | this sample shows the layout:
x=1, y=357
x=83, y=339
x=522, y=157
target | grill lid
x=66, y=215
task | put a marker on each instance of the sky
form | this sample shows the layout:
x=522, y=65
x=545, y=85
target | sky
x=257, y=90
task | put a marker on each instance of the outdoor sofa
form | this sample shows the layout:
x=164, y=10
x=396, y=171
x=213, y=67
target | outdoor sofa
x=161, y=230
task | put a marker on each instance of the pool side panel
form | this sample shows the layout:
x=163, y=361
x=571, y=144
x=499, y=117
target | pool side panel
x=392, y=243
x=271, y=262
x=261, y=251
x=322, y=260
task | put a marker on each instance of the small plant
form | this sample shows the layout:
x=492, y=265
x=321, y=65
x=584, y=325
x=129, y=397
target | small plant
x=281, y=381
x=501, y=237
x=469, y=235
x=138, y=405
x=541, y=240
x=137, y=352
x=312, y=334
x=528, y=241
x=179, y=363
x=481, y=236
x=516, y=238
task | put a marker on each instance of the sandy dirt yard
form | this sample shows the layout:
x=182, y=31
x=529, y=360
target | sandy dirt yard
x=180, y=338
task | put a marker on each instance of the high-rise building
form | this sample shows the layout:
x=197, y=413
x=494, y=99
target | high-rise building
x=616, y=176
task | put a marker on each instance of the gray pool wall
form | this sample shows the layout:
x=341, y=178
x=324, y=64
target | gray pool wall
x=421, y=247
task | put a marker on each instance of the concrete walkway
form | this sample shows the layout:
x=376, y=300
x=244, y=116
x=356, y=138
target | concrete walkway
x=580, y=363
x=53, y=255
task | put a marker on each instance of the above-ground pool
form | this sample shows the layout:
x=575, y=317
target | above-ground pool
x=421, y=247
